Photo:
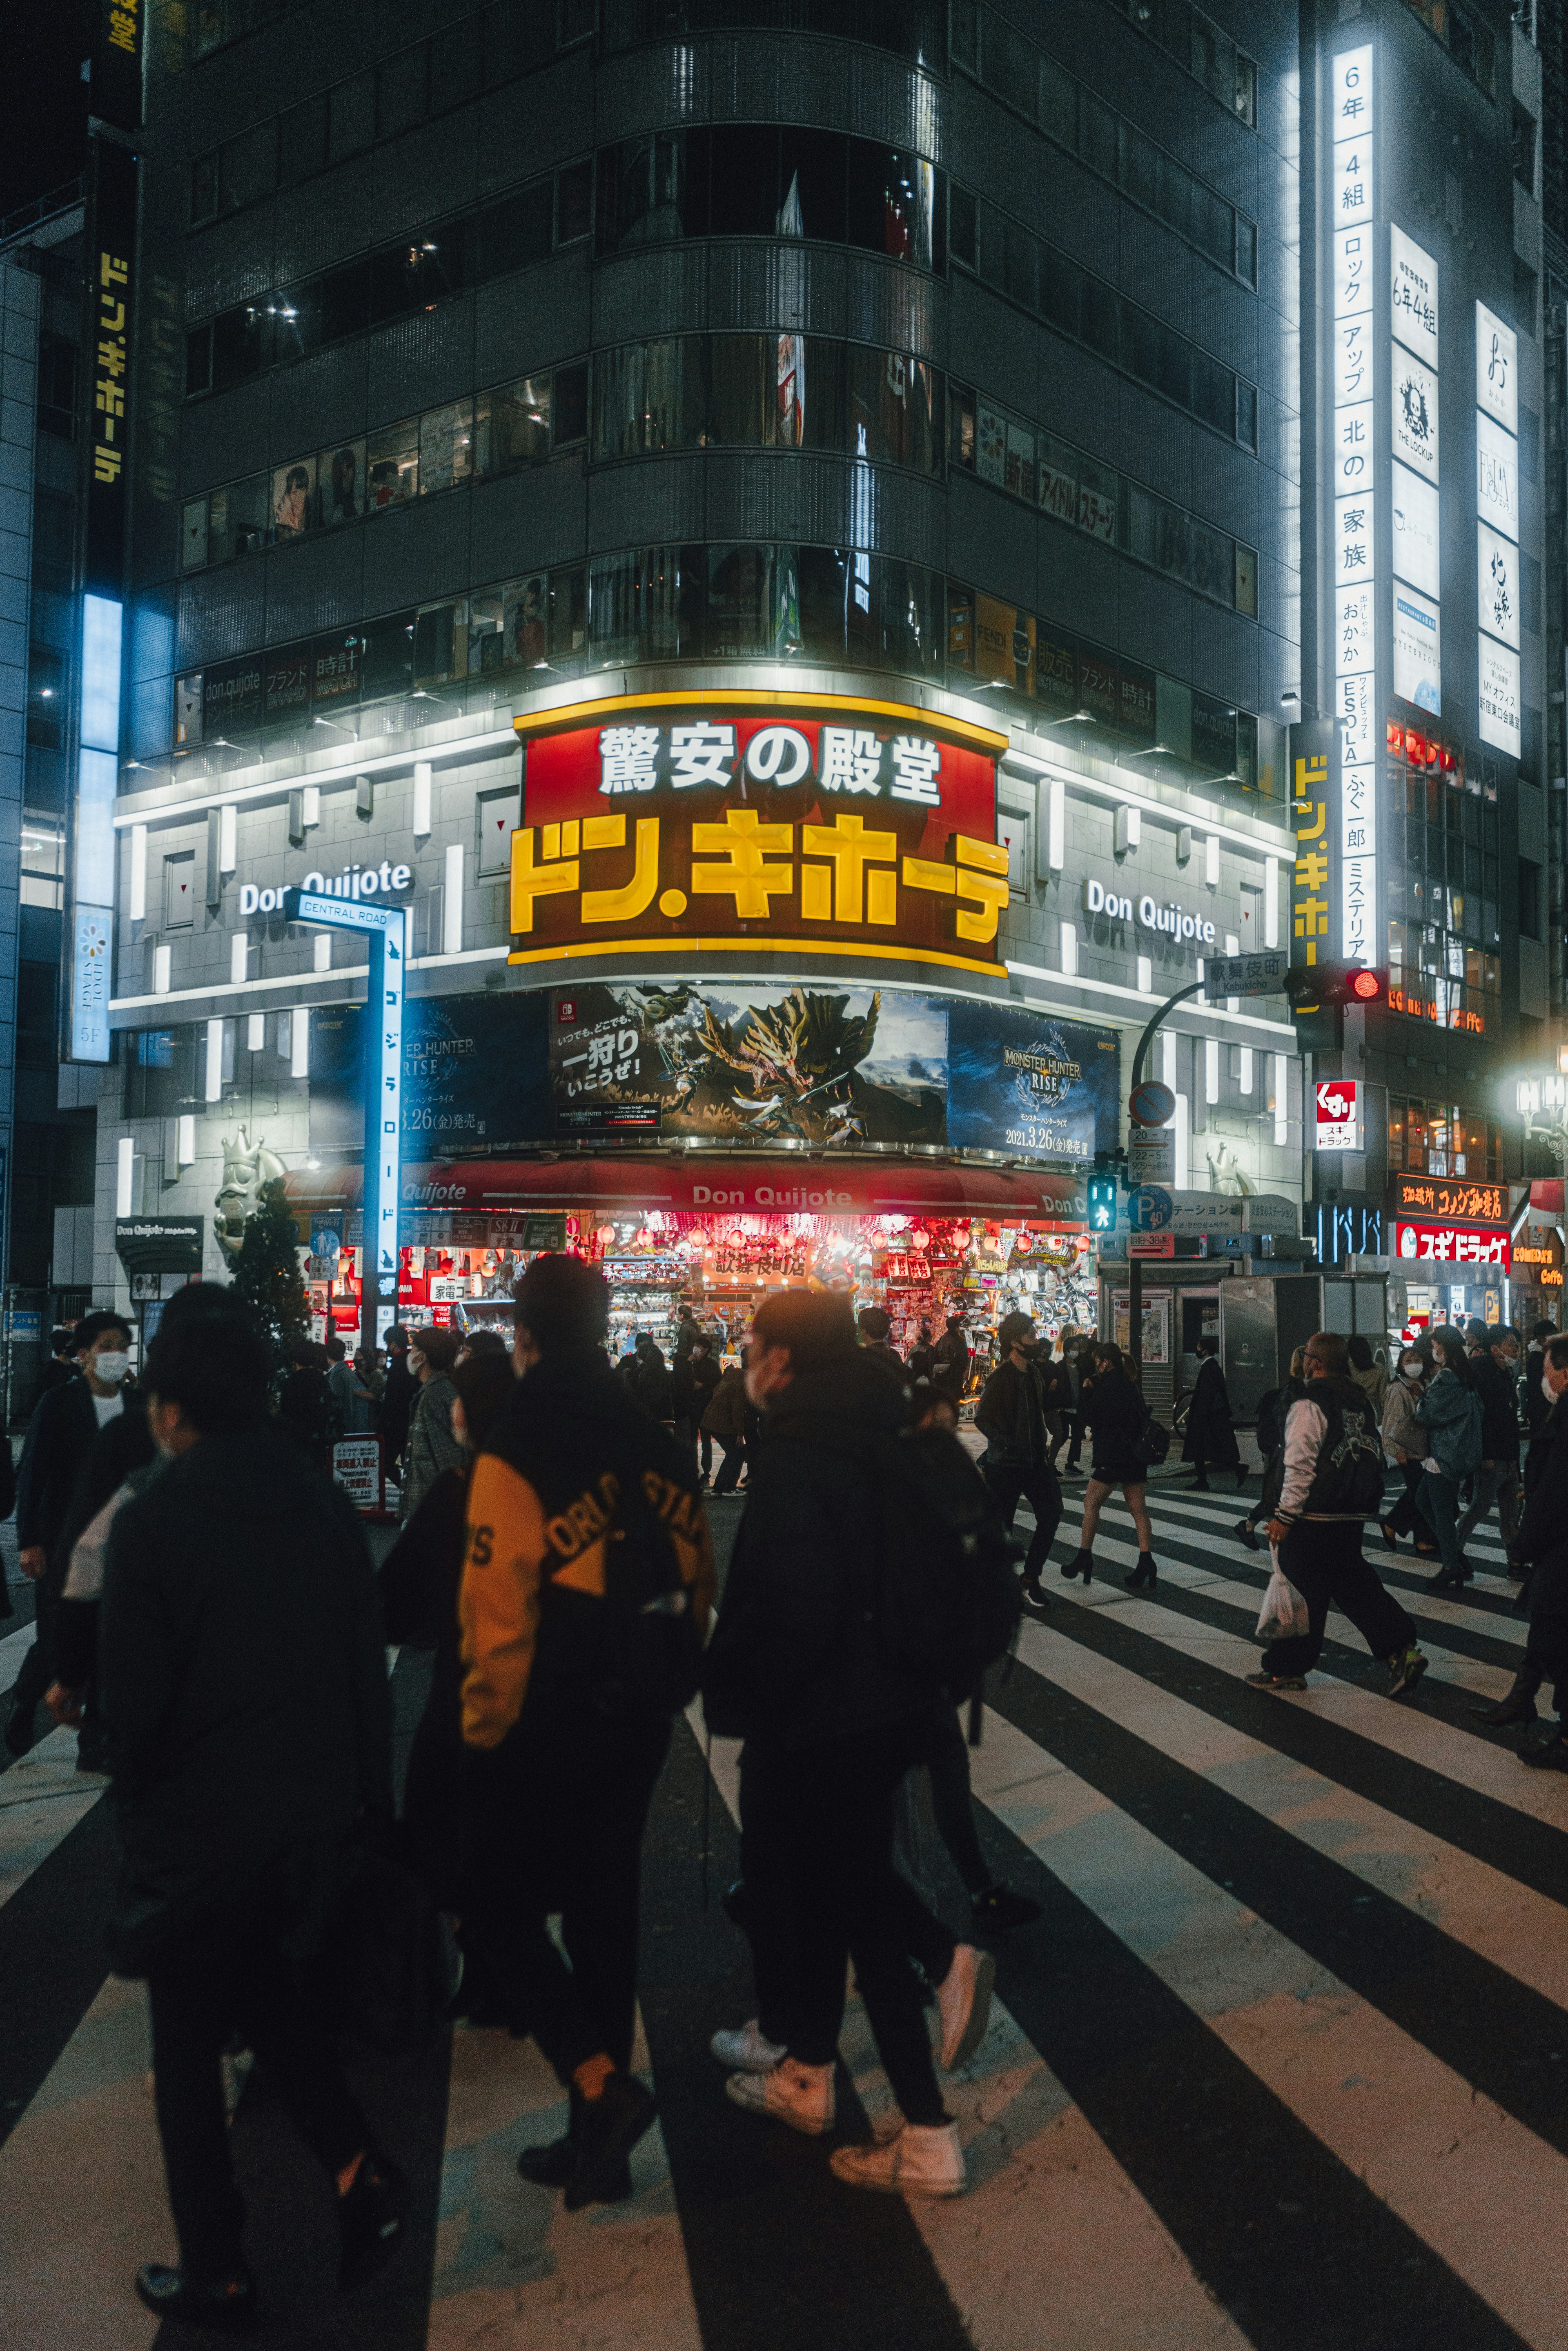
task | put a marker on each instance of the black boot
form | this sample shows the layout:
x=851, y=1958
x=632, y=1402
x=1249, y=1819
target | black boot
x=1242, y=1476
x=1145, y=1575
x=1518, y=1704
x=1082, y=1565
x=1199, y=1485
x=1244, y=1534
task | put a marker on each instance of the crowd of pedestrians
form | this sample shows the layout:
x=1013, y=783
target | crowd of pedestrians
x=209, y=1618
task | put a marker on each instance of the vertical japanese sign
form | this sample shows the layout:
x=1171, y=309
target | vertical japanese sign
x=1312, y=798
x=1352, y=448
x=1496, y=530
x=118, y=32
x=107, y=336
x=1417, y=631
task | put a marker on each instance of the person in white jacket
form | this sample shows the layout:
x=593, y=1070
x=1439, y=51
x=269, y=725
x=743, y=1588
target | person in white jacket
x=1332, y=1483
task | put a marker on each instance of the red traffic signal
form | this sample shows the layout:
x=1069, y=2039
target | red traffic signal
x=1312, y=985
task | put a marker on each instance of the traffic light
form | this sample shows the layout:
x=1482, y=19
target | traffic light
x=1103, y=1190
x=1310, y=986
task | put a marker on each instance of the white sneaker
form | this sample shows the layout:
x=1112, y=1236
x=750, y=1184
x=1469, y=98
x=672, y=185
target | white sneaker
x=964, y=2003
x=800, y=2095
x=749, y=2051
x=922, y=2160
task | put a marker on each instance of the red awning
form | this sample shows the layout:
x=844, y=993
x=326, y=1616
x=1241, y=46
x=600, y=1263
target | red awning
x=699, y=1181
x=1546, y=1193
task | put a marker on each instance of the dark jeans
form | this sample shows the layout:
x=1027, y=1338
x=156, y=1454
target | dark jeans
x=947, y=1760
x=1324, y=1561
x=816, y=1828
x=1547, y=1649
x=1438, y=1499
x=1406, y=1516
x=1006, y=1481
x=37, y=1666
x=730, y=1468
x=558, y=1817
x=232, y=1975
x=1498, y=1484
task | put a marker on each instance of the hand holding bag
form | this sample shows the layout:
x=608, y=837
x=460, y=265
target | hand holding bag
x=1284, y=1611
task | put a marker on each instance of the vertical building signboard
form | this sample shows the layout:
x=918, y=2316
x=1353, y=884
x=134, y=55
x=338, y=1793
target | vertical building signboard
x=1497, y=532
x=1417, y=621
x=1313, y=881
x=1355, y=441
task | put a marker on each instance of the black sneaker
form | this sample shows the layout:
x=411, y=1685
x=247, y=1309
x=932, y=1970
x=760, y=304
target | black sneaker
x=997, y=1909
x=1546, y=1754
x=1035, y=1598
x=371, y=2221
x=223, y=2306
x=1405, y=1668
x=611, y=2127
x=1243, y=1532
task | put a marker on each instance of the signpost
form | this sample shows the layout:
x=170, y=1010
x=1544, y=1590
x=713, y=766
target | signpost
x=384, y=928
x=1151, y=1155
x=1150, y=1103
x=1245, y=974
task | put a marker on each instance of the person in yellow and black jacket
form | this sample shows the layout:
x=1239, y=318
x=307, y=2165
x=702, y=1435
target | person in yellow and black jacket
x=587, y=1587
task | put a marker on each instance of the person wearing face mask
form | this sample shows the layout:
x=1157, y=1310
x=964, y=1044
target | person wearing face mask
x=59, y=1438
x=1012, y=1417
x=1405, y=1443
x=243, y=1668
x=431, y=1448
x=1450, y=1413
x=1542, y=1540
x=398, y=1398
x=1494, y=1361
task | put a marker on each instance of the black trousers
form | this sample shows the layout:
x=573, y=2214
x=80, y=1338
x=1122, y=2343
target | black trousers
x=946, y=1758
x=1406, y=1516
x=38, y=1664
x=1324, y=1561
x=730, y=1468
x=232, y=1975
x=557, y=1824
x=816, y=1826
x=1006, y=1482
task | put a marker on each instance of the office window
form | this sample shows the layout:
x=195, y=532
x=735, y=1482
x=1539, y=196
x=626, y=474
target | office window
x=180, y=891
x=48, y=694
x=512, y=426
x=56, y=386
x=391, y=465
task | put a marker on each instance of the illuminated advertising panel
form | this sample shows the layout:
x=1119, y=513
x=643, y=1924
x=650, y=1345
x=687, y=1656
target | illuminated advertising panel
x=750, y=821
x=1354, y=443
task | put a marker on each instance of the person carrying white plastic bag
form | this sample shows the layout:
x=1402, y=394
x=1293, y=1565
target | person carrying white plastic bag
x=1332, y=1483
x=1284, y=1614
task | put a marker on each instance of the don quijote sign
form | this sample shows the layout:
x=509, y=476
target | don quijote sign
x=870, y=828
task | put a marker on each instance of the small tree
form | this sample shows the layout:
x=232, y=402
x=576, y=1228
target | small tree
x=266, y=1272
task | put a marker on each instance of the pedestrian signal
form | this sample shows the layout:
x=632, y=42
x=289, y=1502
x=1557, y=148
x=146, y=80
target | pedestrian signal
x=1103, y=1190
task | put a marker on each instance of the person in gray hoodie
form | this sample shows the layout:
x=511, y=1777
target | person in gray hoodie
x=1450, y=1412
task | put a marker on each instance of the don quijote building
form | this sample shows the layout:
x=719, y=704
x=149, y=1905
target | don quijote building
x=798, y=616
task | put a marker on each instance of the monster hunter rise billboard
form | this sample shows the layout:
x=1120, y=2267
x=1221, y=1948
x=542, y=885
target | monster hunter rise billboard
x=742, y=1061
x=868, y=829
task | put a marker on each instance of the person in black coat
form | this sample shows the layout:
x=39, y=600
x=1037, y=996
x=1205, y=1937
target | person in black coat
x=1012, y=1417
x=647, y=1375
x=1211, y=1435
x=399, y=1395
x=693, y=1380
x=1494, y=1368
x=1543, y=1541
x=1115, y=1416
x=246, y=1710
x=796, y=1670
x=950, y=1369
x=59, y=1438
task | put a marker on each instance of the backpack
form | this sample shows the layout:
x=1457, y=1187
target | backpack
x=1348, y=1480
x=945, y=1598
x=1153, y=1441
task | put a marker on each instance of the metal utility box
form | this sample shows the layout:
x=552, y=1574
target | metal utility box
x=1263, y=1320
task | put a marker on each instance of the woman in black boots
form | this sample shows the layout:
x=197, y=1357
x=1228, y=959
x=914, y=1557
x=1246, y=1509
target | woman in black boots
x=1211, y=1435
x=1115, y=1414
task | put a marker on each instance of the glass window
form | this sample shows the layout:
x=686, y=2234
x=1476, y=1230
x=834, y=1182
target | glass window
x=569, y=394
x=194, y=535
x=294, y=499
x=391, y=465
x=744, y=198
x=567, y=614
x=320, y=310
x=1057, y=100
x=573, y=203
x=812, y=184
x=445, y=447
x=739, y=601
x=198, y=362
x=302, y=140
x=42, y=884
x=188, y=709
x=242, y=344
x=640, y=404
x=456, y=67
x=440, y=643
x=287, y=682
x=250, y=166
x=516, y=231
x=523, y=639
x=1247, y=582
x=387, y=657
x=350, y=116
x=340, y=481
x=512, y=426
x=336, y=662
x=644, y=189
x=205, y=188
x=401, y=92
x=742, y=390
x=239, y=518
x=49, y=690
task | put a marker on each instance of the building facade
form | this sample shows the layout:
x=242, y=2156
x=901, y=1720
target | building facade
x=782, y=550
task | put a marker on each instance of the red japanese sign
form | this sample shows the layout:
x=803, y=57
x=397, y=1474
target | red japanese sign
x=712, y=821
x=1456, y=1244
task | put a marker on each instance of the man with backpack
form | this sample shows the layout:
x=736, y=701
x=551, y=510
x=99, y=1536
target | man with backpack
x=1332, y=1483
x=587, y=1584
x=846, y=1616
x=1012, y=1417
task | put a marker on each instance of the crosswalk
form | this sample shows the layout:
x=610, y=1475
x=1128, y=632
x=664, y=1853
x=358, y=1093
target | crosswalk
x=1284, y=2063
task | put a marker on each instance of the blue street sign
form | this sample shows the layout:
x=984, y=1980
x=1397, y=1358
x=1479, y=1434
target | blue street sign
x=385, y=928
x=1150, y=1211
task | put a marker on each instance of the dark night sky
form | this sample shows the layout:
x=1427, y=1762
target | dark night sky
x=46, y=116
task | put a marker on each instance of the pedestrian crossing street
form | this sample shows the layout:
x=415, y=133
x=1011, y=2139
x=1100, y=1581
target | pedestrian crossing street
x=1284, y=2062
